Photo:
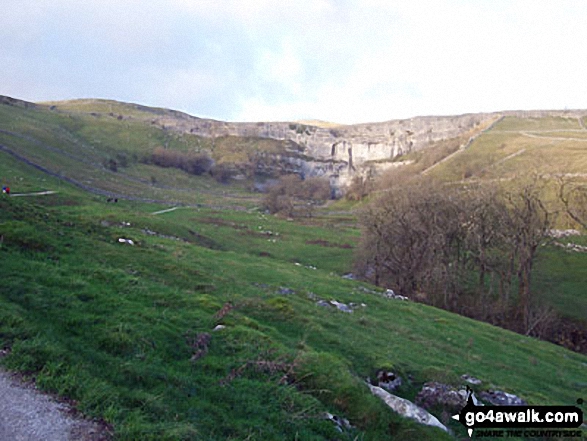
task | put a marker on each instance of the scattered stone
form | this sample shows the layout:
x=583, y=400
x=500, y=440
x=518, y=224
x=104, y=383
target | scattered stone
x=406, y=408
x=367, y=290
x=341, y=306
x=435, y=394
x=557, y=234
x=471, y=380
x=285, y=291
x=219, y=328
x=341, y=423
x=349, y=276
x=500, y=398
x=338, y=305
x=388, y=380
x=127, y=241
x=572, y=247
x=389, y=294
x=356, y=305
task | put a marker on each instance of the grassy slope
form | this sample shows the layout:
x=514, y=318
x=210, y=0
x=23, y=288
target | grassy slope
x=109, y=324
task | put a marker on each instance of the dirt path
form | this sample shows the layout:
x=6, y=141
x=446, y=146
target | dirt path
x=26, y=414
x=38, y=193
x=554, y=138
x=165, y=211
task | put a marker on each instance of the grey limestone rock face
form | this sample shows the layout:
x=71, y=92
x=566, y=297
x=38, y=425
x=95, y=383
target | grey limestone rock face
x=341, y=152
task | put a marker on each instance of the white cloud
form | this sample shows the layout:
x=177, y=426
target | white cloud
x=345, y=60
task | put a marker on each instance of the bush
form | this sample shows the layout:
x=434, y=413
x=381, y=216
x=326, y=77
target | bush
x=193, y=163
x=291, y=196
x=221, y=172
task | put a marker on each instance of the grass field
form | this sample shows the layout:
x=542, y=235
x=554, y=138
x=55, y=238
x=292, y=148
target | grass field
x=127, y=330
x=112, y=326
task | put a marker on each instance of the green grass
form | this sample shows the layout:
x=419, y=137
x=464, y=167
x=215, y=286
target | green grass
x=560, y=280
x=109, y=325
x=114, y=326
x=546, y=123
x=576, y=134
x=497, y=154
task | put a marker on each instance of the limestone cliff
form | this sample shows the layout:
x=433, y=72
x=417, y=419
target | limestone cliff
x=340, y=152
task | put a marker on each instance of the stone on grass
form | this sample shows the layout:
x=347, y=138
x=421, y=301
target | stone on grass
x=389, y=294
x=388, y=380
x=471, y=380
x=341, y=423
x=435, y=395
x=406, y=408
x=501, y=398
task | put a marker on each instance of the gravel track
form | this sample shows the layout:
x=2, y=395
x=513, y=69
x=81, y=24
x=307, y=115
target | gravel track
x=26, y=414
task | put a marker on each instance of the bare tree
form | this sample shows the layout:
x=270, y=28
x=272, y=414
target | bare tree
x=530, y=222
x=293, y=196
x=425, y=237
x=573, y=195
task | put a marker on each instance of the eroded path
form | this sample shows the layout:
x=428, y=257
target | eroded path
x=26, y=414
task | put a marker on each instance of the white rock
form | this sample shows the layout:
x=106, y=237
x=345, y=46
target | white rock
x=406, y=408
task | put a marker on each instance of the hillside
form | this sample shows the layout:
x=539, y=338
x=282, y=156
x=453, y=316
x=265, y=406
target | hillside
x=126, y=329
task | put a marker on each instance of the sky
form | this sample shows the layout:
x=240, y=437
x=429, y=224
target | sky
x=343, y=61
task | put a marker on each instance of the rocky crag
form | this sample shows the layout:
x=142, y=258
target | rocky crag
x=341, y=152
x=338, y=152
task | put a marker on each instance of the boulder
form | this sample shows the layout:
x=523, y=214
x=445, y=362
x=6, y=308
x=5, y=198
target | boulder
x=341, y=306
x=341, y=423
x=435, y=394
x=406, y=408
x=501, y=398
x=388, y=380
x=389, y=294
x=471, y=380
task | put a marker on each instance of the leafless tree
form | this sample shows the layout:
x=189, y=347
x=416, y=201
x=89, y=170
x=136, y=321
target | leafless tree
x=573, y=195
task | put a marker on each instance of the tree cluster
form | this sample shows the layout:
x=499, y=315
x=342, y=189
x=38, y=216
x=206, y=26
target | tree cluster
x=469, y=250
x=193, y=163
x=291, y=196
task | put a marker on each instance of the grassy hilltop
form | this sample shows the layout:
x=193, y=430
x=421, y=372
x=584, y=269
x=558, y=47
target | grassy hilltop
x=127, y=330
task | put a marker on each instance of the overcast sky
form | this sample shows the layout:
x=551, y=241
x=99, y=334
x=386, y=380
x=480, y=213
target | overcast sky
x=336, y=60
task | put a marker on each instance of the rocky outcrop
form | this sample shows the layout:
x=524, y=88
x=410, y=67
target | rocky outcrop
x=340, y=152
x=407, y=408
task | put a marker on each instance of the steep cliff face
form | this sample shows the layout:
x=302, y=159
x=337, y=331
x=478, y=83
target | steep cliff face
x=343, y=151
x=338, y=152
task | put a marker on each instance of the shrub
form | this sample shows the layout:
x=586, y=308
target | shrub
x=221, y=172
x=193, y=163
